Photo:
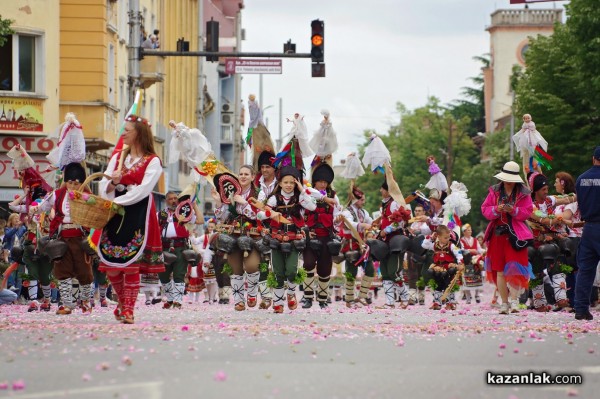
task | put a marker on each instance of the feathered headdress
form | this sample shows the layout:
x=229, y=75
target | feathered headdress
x=324, y=142
x=456, y=205
x=376, y=155
x=188, y=144
x=70, y=147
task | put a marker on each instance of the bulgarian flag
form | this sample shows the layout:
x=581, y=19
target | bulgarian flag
x=94, y=237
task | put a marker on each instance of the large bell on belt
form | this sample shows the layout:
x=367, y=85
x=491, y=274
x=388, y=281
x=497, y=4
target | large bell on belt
x=169, y=258
x=415, y=245
x=262, y=247
x=549, y=252
x=565, y=246
x=334, y=247
x=42, y=243
x=246, y=244
x=190, y=256
x=315, y=244
x=398, y=244
x=87, y=248
x=16, y=253
x=339, y=258
x=225, y=243
x=352, y=256
x=379, y=249
x=285, y=247
x=55, y=249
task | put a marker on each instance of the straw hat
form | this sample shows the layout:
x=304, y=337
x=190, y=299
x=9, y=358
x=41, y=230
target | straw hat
x=510, y=173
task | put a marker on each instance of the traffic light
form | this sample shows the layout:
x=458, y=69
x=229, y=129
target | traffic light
x=212, y=39
x=317, y=41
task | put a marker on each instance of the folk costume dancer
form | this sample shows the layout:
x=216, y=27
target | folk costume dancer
x=548, y=243
x=35, y=189
x=571, y=227
x=393, y=222
x=507, y=206
x=320, y=222
x=175, y=239
x=130, y=244
x=201, y=245
x=472, y=277
x=288, y=201
x=244, y=259
x=74, y=264
x=417, y=266
x=267, y=183
x=447, y=261
x=361, y=221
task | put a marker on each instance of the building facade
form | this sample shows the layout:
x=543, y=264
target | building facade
x=510, y=31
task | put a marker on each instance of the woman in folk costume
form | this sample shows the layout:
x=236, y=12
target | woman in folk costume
x=320, y=222
x=74, y=264
x=392, y=238
x=472, y=278
x=507, y=207
x=235, y=211
x=201, y=244
x=35, y=189
x=285, y=207
x=131, y=244
x=572, y=228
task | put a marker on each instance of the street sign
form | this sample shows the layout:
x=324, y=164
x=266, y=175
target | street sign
x=530, y=1
x=264, y=66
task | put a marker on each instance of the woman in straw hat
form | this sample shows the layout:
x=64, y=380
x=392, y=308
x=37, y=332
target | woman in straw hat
x=507, y=207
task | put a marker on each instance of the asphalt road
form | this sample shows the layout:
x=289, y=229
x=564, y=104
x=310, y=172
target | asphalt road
x=213, y=351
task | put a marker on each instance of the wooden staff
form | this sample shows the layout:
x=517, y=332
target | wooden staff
x=257, y=204
x=454, y=281
x=122, y=157
x=353, y=231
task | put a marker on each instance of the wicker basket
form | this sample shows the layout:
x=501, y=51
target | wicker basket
x=89, y=210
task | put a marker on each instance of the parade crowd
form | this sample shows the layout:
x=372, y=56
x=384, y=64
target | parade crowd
x=281, y=238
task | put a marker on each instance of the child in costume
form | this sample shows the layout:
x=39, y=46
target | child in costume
x=447, y=261
x=287, y=203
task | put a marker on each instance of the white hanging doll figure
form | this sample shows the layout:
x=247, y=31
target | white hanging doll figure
x=531, y=144
x=437, y=179
x=324, y=141
x=300, y=132
x=70, y=146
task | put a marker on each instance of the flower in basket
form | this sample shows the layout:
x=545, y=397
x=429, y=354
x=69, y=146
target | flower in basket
x=91, y=201
x=85, y=196
x=106, y=204
x=76, y=194
x=71, y=194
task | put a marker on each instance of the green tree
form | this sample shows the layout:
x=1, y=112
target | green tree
x=561, y=86
x=5, y=30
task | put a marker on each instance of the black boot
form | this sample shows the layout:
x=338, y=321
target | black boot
x=307, y=303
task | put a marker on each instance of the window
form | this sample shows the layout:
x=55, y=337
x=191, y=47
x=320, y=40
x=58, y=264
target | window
x=18, y=58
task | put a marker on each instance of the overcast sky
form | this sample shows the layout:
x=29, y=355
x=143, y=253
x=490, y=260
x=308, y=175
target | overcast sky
x=376, y=53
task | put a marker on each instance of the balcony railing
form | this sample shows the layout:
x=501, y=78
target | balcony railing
x=526, y=17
